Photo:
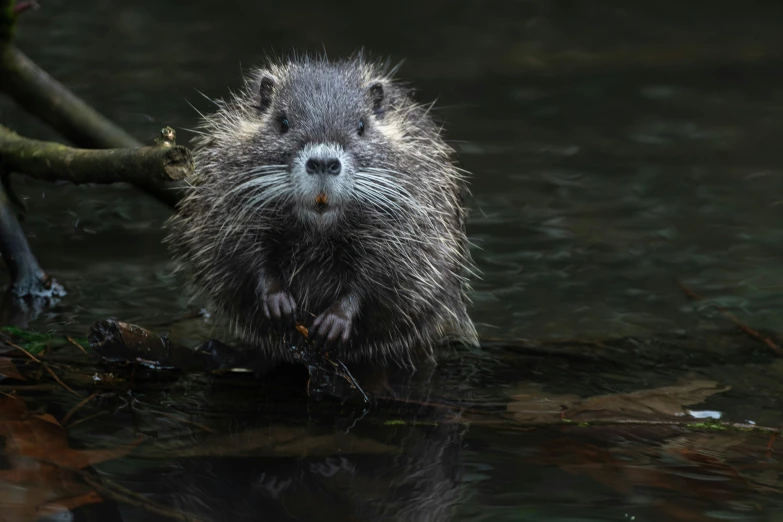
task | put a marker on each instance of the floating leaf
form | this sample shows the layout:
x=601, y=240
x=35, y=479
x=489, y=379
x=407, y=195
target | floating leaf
x=668, y=400
x=40, y=479
x=42, y=437
x=530, y=405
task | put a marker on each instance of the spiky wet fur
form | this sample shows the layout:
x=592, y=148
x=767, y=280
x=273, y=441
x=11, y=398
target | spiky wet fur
x=399, y=240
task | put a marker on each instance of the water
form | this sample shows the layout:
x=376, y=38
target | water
x=594, y=189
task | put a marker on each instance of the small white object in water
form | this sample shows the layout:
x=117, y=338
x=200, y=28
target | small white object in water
x=706, y=414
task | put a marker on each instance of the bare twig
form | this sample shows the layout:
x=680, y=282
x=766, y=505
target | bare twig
x=31, y=356
x=772, y=345
x=76, y=408
x=46, y=367
x=52, y=161
x=79, y=346
x=85, y=419
x=59, y=381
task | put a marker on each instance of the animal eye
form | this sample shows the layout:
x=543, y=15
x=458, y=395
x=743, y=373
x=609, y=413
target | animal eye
x=360, y=129
x=284, y=124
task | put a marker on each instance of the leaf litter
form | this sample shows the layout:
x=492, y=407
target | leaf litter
x=44, y=476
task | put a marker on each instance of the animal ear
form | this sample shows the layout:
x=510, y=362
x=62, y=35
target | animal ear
x=376, y=96
x=266, y=87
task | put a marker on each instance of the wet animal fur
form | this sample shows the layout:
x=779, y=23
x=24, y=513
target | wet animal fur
x=395, y=242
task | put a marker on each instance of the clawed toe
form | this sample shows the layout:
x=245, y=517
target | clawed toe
x=331, y=329
x=280, y=308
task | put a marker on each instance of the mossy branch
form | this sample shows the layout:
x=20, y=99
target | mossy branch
x=43, y=96
x=52, y=161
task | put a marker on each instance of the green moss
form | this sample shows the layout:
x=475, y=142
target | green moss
x=35, y=342
x=26, y=335
x=706, y=425
x=395, y=423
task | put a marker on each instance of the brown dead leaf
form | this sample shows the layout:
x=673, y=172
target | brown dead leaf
x=47, y=418
x=668, y=400
x=27, y=494
x=530, y=405
x=8, y=369
x=42, y=438
x=68, y=504
x=40, y=479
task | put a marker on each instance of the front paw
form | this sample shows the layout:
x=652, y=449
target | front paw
x=332, y=327
x=280, y=308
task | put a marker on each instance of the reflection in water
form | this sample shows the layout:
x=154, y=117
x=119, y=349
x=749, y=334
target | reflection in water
x=419, y=481
x=286, y=461
x=474, y=439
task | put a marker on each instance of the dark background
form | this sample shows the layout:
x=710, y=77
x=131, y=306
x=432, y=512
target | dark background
x=614, y=146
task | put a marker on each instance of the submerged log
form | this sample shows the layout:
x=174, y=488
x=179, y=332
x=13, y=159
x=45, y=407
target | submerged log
x=119, y=342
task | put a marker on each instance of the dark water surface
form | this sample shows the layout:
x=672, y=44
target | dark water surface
x=593, y=190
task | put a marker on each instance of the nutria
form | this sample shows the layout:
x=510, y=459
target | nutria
x=325, y=195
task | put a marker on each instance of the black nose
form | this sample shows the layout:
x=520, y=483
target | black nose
x=329, y=166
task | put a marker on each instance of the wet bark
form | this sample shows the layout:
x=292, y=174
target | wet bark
x=52, y=161
x=27, y=277
x=44, y=97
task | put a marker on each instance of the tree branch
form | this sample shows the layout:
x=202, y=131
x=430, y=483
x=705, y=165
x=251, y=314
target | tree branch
x=43, y=96
x=52, y=161
x=27, y=277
